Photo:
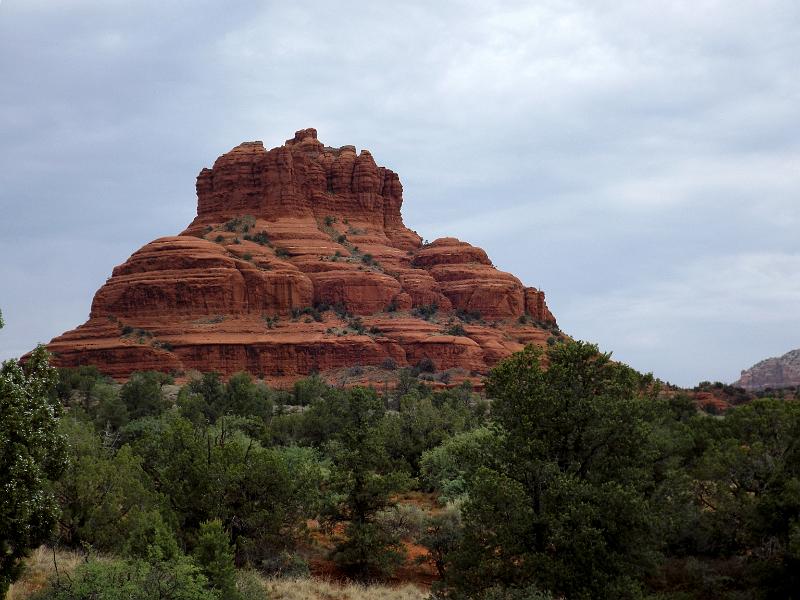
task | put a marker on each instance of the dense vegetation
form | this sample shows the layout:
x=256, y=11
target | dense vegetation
x=580, y=480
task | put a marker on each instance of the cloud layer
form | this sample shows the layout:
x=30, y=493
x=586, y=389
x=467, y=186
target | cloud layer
x=638, y=161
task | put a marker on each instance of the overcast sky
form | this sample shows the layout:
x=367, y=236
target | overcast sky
x=639, y=161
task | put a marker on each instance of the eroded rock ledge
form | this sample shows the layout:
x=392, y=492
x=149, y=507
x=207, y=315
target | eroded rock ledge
x=298, y=261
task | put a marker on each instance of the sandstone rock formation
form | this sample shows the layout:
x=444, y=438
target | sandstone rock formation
x=776, y=372
x=298, y=261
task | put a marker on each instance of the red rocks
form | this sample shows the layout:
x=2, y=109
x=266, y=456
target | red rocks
x=278, y=232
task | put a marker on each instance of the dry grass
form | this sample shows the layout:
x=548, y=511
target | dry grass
x=320, y=589
x=39, y=568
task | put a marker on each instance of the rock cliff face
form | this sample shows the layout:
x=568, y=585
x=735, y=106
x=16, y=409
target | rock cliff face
x=298, y=261
x=776, y=372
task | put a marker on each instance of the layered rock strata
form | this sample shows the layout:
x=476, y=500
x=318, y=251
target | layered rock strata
x=298, y=261
x=777, y=372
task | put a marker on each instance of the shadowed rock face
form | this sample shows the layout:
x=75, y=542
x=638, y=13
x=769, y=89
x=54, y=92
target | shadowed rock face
x=776, y=372
x=281, y=235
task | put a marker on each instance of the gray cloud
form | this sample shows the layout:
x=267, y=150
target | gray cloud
x=638, y=161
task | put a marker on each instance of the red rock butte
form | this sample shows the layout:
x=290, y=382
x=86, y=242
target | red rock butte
x=299, y=262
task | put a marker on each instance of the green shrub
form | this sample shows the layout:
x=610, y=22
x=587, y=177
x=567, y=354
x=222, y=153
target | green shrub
x=468, y=316
x=456, y=329
x=426, y=312
x=368, y=551
x=403, y=520
x=282, y=252
x=177, y=579
x=425, y=365
x=250, y=585
x=308, y=310
x=308, y=390
x=448, y=468
x=285, y=564
x=261, y=238
x=214, y=555
x=142, y=394
x=357, y=325
x=440, y=533
x=514, y=593
x=240, y=224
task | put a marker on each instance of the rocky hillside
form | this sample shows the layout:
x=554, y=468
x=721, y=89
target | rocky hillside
x=298, y=261
x=776, y=372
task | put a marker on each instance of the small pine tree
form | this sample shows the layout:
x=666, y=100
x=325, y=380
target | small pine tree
x=214, y=556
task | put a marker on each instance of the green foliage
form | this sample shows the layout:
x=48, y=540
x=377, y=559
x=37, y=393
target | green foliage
x=368, y=551
x=449, y=467
x=282, y=252
x=32, y=454
x=83, y=387
x=104, y=493
x=363, y=482
x=422, y=422
x=142, y=395
x=468, y=316
x=261, y=238
x=747, y=493
x=240, y=224
x=568, y=509
x=214, y=555
x=176, y=579
x=404, y=520
x=206, y=399
x=425, y=365
x=456, y=329
x=262, y=496
x=92, y=397
x=441, y=534
x=308, y=390
x=250, y=586
x=514, y=593
x=584, y=481
x=426, y=312
x=357, y=325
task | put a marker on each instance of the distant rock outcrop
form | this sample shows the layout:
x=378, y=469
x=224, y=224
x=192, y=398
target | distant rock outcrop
x=298, y=261
x=776, y=372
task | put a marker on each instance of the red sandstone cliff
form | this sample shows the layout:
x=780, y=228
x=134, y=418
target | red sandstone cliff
x=299, y=261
